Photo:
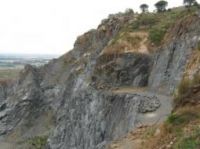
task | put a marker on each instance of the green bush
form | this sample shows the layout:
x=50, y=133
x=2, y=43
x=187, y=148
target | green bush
x=188, y=143
x=191, y=141
x=182, y=118
x=135, y=25
x=174, y=119
x=38, y=142
x=157, y=34
x=148, y=20
x=145, y=21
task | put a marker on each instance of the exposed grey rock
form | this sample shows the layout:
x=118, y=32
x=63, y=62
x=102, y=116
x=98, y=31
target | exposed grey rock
x=129, y=69
x=93, y=117
x=73, y=92
x=170, y=61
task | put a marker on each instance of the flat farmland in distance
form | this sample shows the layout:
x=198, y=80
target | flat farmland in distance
x=12, y=64
x=9, y=74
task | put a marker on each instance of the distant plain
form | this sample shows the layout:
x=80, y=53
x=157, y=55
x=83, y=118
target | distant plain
x=11, y=64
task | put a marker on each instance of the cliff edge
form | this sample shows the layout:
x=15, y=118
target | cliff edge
x=117, y=78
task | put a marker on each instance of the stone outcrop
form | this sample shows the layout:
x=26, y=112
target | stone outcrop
x=128, y=69
x=71, y=99
x=171, y=60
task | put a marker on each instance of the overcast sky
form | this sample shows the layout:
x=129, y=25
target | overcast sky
x=51, y=26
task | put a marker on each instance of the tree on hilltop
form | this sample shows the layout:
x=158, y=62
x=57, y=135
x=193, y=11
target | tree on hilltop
x=161, y=5
x=144, y=8
x=189, y=3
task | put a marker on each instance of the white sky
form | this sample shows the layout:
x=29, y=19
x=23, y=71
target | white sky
x=51, y=26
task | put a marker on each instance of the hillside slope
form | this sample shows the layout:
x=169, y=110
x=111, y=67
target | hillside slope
x=115, y=79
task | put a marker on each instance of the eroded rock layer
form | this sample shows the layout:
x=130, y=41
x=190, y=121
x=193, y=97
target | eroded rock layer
x=79, y=101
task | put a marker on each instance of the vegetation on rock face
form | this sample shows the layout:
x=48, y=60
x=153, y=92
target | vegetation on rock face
x=145, y=21
x=182, y=118
x=158, y=24
x=181, y=129
x=181, y=125
x=155, y=24
x=38, y=142
x=156, y=34
x=189, y=142
x=185, y=88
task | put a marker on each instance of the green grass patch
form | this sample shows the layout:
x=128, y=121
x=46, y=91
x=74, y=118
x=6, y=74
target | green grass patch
x=176, y=121
x=157, y=24
x=182, y=118
x=145, y=21
x=188, y=143
x=192, y=141
x=157, y=34
x=38, y=142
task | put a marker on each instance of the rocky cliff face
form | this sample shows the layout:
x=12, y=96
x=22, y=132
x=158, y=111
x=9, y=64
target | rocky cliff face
x=87, y=98
x=171, y=60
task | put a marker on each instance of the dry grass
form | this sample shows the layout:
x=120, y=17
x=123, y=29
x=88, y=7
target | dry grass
x=186, y=88
x=193, y=63
x=178, y=131
x=127, y=42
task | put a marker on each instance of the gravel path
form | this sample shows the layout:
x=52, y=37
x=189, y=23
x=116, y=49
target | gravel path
x=152, y=117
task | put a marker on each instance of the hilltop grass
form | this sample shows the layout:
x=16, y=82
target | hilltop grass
x=157, y=24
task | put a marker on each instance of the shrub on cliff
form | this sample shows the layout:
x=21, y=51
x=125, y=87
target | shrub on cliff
x=38, y=142
x=156, y=34
x=157, y=24
x=145, y=21
x=185, y=88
